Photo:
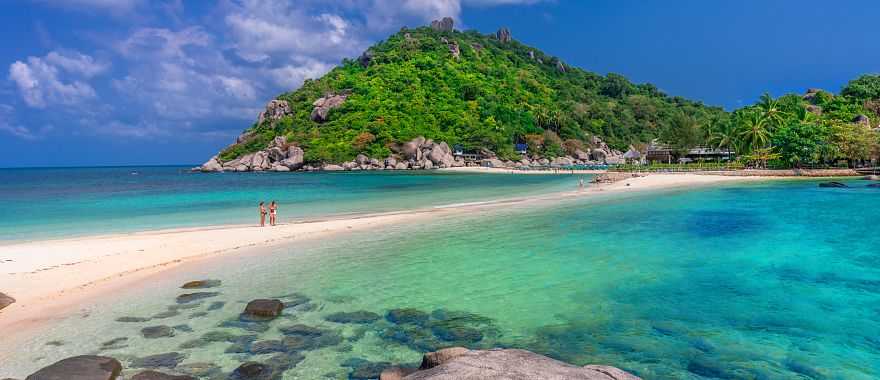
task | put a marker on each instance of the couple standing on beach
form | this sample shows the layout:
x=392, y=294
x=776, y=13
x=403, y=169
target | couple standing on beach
x=273, y=210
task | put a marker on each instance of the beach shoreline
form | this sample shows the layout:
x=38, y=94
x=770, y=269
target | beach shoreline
x=80, y=270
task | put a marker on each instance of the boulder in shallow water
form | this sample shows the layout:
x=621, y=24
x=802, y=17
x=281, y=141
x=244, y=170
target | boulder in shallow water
x=153, y=375
x=154, y=332
x=396, y=373
x=832, y=184
x=5, y=301
x=873, y=185
x=407, y=315
x=512, y=365
x=86, y=367
x=433, y=359
x=191, y=297
x=353, y=317
x=166, y=360
x=263, y=309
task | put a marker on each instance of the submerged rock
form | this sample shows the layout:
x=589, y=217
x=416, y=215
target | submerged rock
x=832, y=184
x=201, y=284
x=262, y=309
x=407, y=315
x=114, y=343
x=510, y=364
x=396, y=373
x=86, y=367
x=192, y=297
x=154, y=332
x=153, y=375
x=166, y=360
x=353, y=317
x=132, y=319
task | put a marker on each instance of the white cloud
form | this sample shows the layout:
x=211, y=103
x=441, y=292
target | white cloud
x=40, y=83
x=77, y=63
x=292, y=75
x=163, y=43
x=113, y=6
x=263, y=28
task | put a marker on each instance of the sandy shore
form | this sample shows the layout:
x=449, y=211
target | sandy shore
x=49, y=279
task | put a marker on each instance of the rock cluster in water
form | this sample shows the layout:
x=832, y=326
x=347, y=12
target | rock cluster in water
x=290, y=341
x=462, y=364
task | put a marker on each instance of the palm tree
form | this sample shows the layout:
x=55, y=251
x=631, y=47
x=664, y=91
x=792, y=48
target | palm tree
x=722, y=135
x=771, y=111
x=754, y=132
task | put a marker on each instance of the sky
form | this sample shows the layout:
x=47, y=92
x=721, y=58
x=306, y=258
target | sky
x=157, y=82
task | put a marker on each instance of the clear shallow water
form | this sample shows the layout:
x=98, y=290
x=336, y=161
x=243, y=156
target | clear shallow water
x=50, y=203
x=759, y=281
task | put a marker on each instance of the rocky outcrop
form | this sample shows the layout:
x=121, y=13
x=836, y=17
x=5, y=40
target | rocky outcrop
x=86, y=367
x=324, y=104
x=365, y=58
x=463, y=364
x=275, y=110
x=212, y=165
x=503, y=35
x=445, y=24
x=863, y=120
x=295, y=158
x=454, y=49
x=560, y=67
x=5, y=301
x=601, y=153
x=201, y=284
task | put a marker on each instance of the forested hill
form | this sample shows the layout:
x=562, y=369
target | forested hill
x=464, y=88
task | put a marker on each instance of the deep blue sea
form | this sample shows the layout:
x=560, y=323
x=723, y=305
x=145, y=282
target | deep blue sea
x=771, y=280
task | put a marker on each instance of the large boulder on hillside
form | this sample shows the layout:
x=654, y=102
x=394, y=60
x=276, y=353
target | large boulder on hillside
x=863, y=120
x=331, y=168
x=362, y=159
x=441, y=155
x=492, y=163
x=5, y=301
x=295, y=158
x=412, y=151
x=366, y=58
x=275, y=110
x=325, y=104
x=212, y=165
x=562, y=161
x=445, y=24
x=260, y=161
x=503, y=35
x=86, y=367
x=276, y=154
x=510, y=364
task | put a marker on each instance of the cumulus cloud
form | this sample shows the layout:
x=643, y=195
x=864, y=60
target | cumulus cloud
x=41, y=82
x=263, y=28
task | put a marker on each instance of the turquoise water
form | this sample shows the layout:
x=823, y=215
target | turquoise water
x=41, y=203
x=775, y=280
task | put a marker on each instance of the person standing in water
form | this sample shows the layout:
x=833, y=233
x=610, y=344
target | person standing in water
x=273, y=210
x=581, y=183
x=262, y=215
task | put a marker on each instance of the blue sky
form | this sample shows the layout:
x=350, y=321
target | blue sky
x=116, y=82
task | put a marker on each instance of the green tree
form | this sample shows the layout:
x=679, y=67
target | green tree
x=865, y=87
x=753, y=132
x=802, y=143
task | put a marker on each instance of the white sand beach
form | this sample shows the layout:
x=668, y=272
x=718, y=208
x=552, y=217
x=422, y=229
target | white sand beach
x=50, y=278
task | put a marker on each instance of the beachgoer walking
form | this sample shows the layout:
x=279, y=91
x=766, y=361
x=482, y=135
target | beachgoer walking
x=262, y=215
x=273, y=210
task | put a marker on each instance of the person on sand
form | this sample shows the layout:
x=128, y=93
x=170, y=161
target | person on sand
x=262, y=215
x=273, y=210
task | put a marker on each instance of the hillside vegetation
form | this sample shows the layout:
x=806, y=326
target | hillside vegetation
x=490, y=91
x=497, y=92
